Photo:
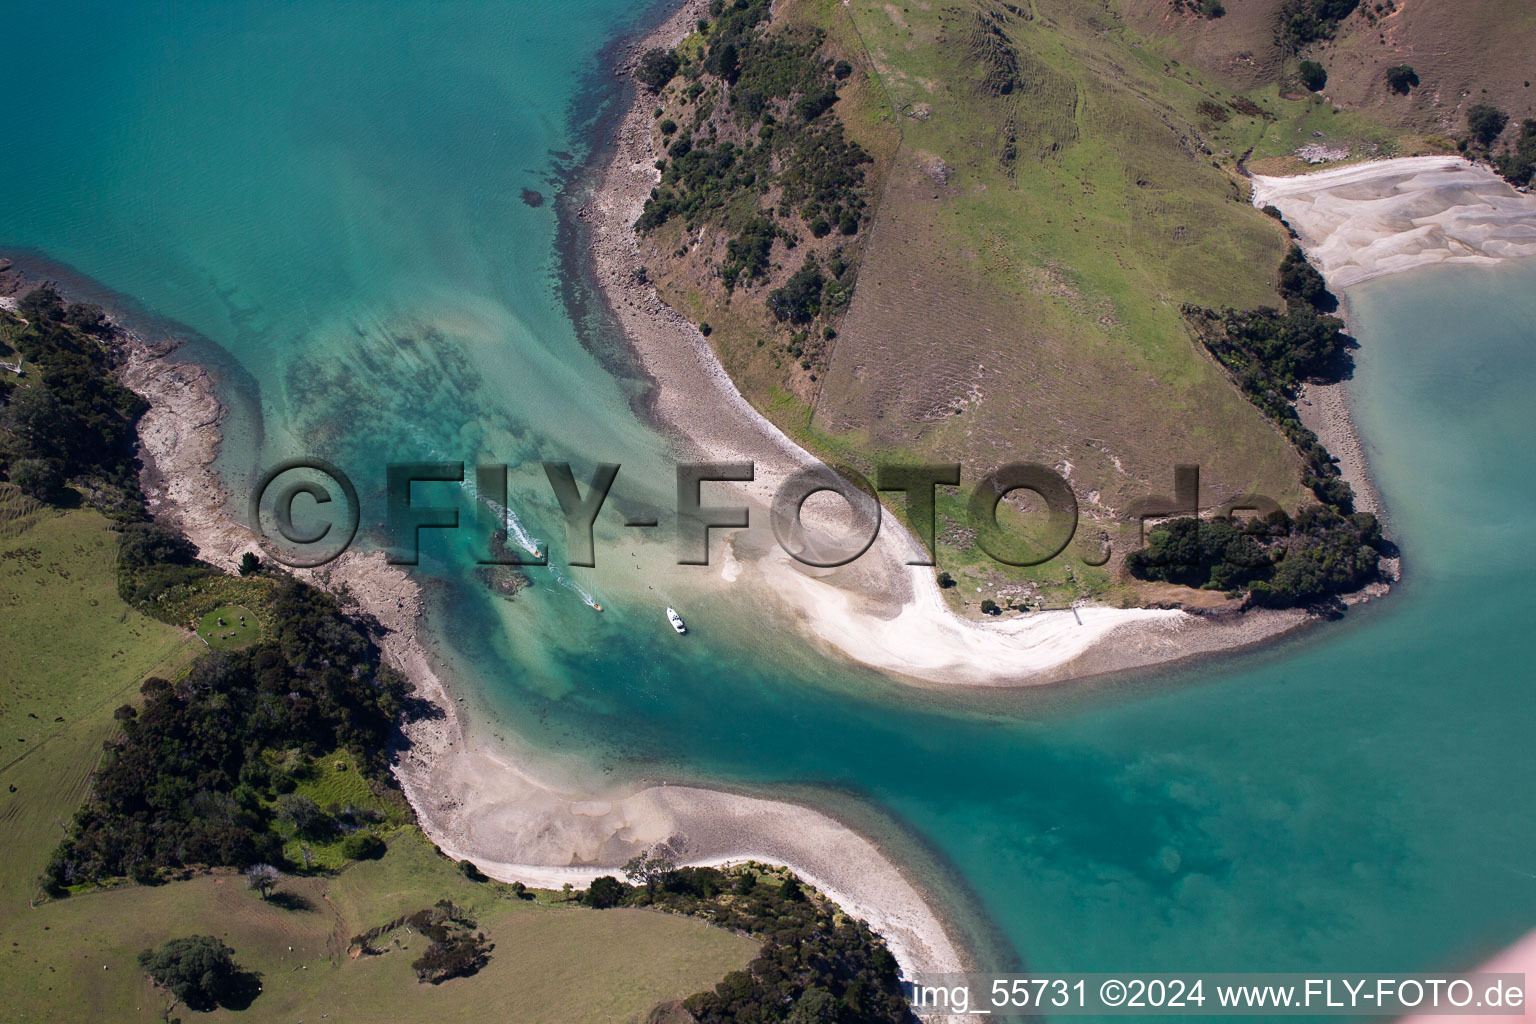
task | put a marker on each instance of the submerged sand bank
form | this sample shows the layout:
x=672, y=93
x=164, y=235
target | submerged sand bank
x=879, y=611
x=1385, y=217
x=1371, y=220
x=473, y=798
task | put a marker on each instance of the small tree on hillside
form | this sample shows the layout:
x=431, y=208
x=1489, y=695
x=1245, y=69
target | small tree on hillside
x=303, y=814
x=198, y=970
x=1487, y=123
x=250, y=564
x=1401, y=79
x=648, y=871
x=363, y=846
x=605, y=891
x=657, y=67
x=263, y=878
x=1313, y=75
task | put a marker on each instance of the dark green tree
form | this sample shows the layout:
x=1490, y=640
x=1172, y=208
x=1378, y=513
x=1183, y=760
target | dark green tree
x=1313, y=75
x=42, y=479
x=1486, y=123
x=605, y=891
x=799, y=300
x=1300, y=283
x=363, y=846
x=815, y=1006
x=1401, y=79
x=1519, y=163
x=657, y=67
x=198, y=970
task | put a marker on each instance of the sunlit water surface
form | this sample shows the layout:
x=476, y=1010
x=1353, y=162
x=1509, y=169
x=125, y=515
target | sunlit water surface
x=330, y=198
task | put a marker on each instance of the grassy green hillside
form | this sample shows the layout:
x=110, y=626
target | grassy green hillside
x=73, y=959
x=1057, y=197
x=1051, y=207
x=70, y=652
x=1464, y=53
x=1050, y=187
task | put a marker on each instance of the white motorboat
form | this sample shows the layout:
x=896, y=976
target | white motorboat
x=676, y=620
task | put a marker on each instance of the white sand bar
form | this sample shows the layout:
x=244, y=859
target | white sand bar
x=1385, y=217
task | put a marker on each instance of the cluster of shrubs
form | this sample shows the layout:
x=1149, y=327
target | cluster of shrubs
x=455, y=950
x=1402, y=79
x=1485, y=123
x=816, y=964
x=1518, y=165
x=200, y=971
x=308, y=820
x=1204, y=8
x=1327, y=549
x=68, y=420
x=785, y=145
x=1303, y=22
x=1270, y=352
x=1280, y=561
x=190, y=782
x=815, y=290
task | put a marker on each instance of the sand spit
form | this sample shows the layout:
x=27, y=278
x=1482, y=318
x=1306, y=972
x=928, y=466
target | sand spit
x=879, y=612
x=1385, y=217
x=472, y=798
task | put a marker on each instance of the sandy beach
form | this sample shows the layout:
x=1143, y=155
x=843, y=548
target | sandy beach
x=1371, y=220
x=472, y=797
x=1368, y=220
x=879, y=611
x=480, y=800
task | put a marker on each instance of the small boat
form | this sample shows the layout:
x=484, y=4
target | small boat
x=676, y=620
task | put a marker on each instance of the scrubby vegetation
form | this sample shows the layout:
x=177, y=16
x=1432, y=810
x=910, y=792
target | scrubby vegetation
x=1402, y=79
x=1518, y=165
x=1204, y=8
x=199, y=971
x=755, y=154
x=1303, y=22
x=1313, y=75
x=816, y=963
x=1486, y=123
x=457, y=950
x=1278, y=560
x=203, y=773
x=1270, y=352
x=657, y=67
x=1327, y=549
x=67, y=421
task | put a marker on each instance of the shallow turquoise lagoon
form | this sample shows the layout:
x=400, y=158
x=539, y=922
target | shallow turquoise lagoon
x=330, y=199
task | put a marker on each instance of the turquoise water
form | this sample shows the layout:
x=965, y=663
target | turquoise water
x=329, y=196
